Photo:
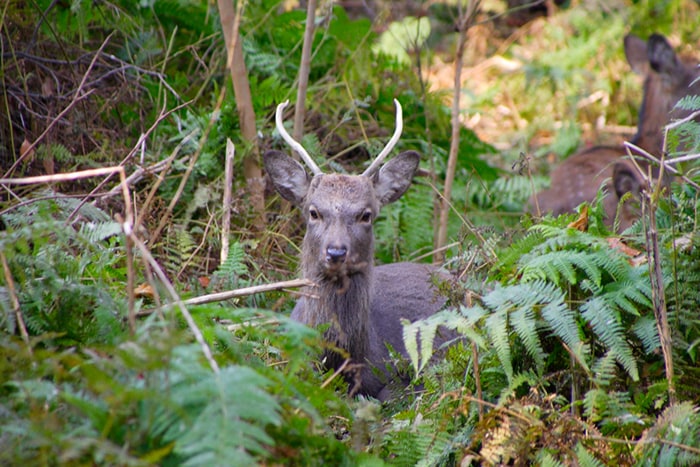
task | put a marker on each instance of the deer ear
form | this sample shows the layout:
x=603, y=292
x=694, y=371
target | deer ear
x=661, y=55
x=288, y=176
x=636, y=54
x=626, y=179
x=394, y=178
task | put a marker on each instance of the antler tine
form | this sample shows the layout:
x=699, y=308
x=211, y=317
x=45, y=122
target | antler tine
x=294, y=144
x=392, y=142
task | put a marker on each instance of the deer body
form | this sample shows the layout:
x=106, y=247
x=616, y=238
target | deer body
x=362, y=304
x=667, y=79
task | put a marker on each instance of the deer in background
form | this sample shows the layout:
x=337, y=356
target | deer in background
x=667, y=79
x=362, y=304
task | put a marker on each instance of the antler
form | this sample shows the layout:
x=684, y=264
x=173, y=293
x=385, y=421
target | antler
x=392, y=142
x=294, y=144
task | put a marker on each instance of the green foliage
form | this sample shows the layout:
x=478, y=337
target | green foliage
x=667, y=441
x=58, y=271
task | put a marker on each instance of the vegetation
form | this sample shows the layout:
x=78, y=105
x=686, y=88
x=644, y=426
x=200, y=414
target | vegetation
x=114, y=119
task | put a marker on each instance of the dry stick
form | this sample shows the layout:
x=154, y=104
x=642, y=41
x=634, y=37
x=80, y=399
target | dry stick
x=76, y=98
x=242, y=292
x=174, y=296
x=228, y=189
x=465, y=21
x=15, y=301
x=667, y=164
x=658, y=292
x=190, y=168
x=127, y=226
x=304, y=67
x=477, y=372
x=245, y=291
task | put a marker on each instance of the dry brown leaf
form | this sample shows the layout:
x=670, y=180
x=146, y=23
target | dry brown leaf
x=26, y=148
x=581, y=223
x=144, y=290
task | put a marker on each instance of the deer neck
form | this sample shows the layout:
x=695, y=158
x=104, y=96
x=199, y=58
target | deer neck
x=343, y=303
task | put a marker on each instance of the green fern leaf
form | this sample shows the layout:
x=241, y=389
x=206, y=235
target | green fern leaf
x=606, y=325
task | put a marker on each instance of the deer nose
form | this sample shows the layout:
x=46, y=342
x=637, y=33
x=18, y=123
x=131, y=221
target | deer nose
x=336, y=254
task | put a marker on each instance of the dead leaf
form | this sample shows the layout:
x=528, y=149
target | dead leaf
x=144, y=290
x=581, y=223
x=26, y=148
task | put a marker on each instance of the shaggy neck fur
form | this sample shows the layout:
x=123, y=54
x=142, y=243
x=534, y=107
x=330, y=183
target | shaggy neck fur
x=342, y=301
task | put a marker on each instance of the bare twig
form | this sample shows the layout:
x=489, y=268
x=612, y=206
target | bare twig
x=666, y=164
x=174, y=297
x=230, y=23
x=161, y=177
x=243, y=292
x=15, y=301
x=228, y=190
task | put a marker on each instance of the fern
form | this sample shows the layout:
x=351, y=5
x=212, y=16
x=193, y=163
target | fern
x=602, y=318
x=234, y=270
x=674, y=439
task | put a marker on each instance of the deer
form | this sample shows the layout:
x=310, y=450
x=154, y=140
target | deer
x=361, y=304
x=667, y=79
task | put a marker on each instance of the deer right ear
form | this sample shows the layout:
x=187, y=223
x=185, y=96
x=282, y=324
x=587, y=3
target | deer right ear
x=288, y=176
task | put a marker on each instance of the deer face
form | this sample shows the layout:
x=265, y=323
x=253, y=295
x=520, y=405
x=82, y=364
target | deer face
x=339, y=209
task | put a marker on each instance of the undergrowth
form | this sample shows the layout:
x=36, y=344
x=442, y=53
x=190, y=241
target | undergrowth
x=556, y=359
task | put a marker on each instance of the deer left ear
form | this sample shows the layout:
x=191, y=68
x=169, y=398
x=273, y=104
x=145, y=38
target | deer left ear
x=289, y=177
x=394, y=178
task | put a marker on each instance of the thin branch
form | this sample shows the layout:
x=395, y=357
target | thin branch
x=242, y=292
x=174, y=296
x=228, y=191
x=139, y=144
x=15, y=301
x=465, y=21
x=190, y=168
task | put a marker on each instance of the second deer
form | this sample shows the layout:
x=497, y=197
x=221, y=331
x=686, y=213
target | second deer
x=362, y=305
x=667, y=79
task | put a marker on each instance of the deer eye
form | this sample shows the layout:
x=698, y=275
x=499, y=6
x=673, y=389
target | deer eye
x=313, y=214
x=366, y=216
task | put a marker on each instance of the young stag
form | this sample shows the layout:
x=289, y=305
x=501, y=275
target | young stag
x=667, y=79
x=362, y=305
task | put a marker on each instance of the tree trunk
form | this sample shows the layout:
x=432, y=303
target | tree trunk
x=230, y=21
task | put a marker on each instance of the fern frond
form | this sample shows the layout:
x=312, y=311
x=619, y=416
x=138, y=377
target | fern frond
x=497, y=326
x=585, y=458
x=606, y=325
